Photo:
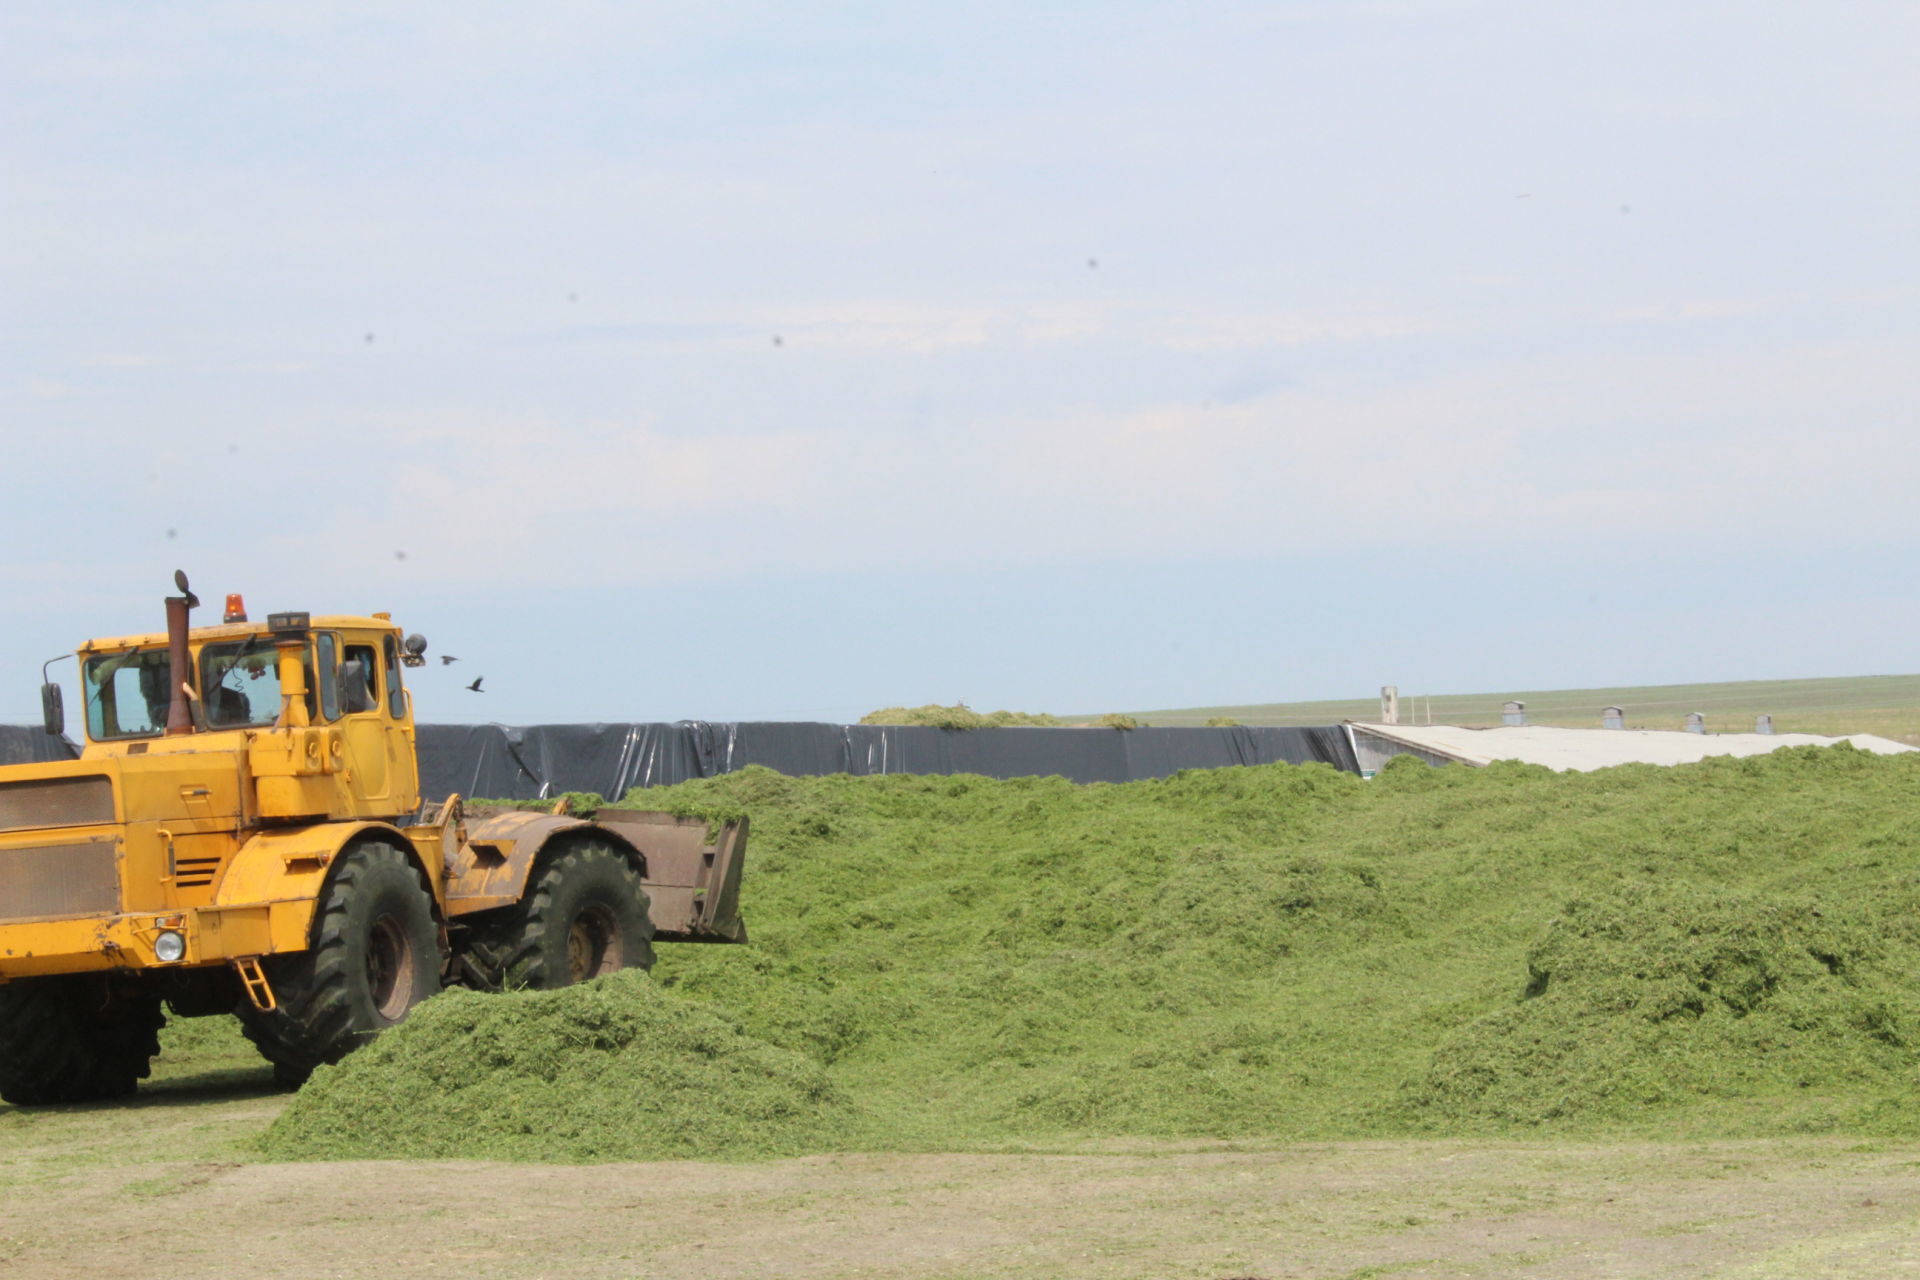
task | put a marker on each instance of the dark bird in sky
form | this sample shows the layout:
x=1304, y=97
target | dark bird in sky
x=369, y=337
x=399, y=555
x=447, y=659
x=779, y=341
x=1093, y=264
x=475, y=686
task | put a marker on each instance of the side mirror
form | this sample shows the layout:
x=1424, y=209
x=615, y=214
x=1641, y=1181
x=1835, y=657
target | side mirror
x=53, y=711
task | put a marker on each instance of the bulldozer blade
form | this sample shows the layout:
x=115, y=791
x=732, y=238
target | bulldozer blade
x=692, y=882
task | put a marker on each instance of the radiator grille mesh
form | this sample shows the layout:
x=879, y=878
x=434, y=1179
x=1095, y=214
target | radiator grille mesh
x=56, y=802
x=58, y=880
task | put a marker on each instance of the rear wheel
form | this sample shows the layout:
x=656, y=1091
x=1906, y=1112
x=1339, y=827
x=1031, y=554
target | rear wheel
x=585, y=914
x=375, y=954
x=75, y=1038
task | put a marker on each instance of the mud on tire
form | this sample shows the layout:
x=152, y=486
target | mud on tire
x=375, y=953
x=75, y=1039
x=585, y=914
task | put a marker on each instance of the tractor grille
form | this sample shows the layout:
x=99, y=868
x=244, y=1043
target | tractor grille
x=56, y=802
x=190, y=873
x=58, y=880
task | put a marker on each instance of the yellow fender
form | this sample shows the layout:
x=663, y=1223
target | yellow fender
x=273, y=884
x=492, y=868
x=691, y=876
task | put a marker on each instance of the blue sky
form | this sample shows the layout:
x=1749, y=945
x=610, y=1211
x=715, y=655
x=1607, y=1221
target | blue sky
x=735, y=361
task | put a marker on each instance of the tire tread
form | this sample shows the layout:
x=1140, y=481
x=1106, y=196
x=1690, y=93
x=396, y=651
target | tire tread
x=313, y=1025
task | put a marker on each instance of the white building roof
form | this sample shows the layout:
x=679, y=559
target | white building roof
x=1598, y=748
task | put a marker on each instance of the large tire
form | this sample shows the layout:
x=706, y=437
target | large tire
x=75, y=1039
x=375, y=953
x=585, y=914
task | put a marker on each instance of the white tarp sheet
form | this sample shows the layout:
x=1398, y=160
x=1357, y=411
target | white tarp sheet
x=1584, y=748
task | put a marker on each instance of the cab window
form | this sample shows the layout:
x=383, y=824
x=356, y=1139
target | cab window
x=240, y=684
x=359, y=679
x=396, y=696
x=326, y=648
x=127, y=694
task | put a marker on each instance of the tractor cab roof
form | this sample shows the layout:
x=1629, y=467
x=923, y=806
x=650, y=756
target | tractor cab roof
x=240, y=631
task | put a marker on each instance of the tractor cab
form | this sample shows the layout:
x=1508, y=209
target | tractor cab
x=315, y=706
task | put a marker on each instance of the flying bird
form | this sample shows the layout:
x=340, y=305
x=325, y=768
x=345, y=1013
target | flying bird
x=447, y=659
x=475, y=686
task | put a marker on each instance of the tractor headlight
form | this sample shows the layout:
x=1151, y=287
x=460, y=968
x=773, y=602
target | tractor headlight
x=170, y=947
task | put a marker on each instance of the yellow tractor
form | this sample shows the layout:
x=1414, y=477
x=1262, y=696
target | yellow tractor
x=243, y=833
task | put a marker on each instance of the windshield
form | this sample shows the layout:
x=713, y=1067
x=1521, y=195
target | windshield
x=127, y=694
x=242, y=683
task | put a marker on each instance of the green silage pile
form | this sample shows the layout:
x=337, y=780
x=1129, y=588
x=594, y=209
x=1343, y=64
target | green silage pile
x=1727, y=948
x=615, y=1069
x=1657, y=999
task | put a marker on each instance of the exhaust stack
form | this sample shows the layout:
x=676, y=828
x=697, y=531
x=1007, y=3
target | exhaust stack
x=179, y=660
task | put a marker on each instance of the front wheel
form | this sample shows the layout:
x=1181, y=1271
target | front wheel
x=585, y=914
x=75, y=1039
x=375, y=954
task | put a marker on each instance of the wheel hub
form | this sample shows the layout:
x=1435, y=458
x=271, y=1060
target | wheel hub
x=390, y=969
x=593, y=945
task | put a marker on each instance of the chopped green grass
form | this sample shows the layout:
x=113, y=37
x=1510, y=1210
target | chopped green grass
x=614, y=1069
x=1676, y=998
x=1282, y=952
x=1288, y=952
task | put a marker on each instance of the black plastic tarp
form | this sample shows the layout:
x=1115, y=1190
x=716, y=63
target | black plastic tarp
x=505, y=762
x=31, y=744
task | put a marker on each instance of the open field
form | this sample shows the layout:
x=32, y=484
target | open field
x=1886, y=705
x=102, y=1189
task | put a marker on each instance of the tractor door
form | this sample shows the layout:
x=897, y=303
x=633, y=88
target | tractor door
x=363, y=719
x=403, y=768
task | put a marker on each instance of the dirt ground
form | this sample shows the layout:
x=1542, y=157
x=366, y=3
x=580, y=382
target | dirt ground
x=161, y=1186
